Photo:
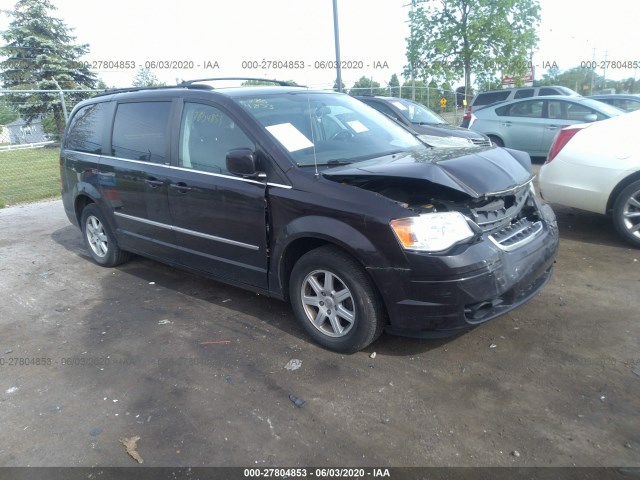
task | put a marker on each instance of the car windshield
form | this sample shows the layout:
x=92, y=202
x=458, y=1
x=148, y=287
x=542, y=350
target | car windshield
x=321, y=128
x=416, y=113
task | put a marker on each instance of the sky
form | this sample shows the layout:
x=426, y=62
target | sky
x=241, y=37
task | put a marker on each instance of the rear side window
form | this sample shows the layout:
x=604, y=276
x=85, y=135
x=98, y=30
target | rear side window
x=524, y=93
x=549, y=91
x=531, y=109
x=491, y=97
x=140, y=131
x=86, y=129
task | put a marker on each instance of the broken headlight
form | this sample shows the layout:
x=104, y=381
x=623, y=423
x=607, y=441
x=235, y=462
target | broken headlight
x=432, y=232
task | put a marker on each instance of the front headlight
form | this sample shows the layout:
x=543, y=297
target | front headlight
x=431, y=232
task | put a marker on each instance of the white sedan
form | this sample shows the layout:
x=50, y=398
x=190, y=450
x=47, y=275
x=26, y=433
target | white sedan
x=596, y=167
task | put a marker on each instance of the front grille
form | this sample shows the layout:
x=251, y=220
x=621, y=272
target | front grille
x=516, y=234
x=500, y=211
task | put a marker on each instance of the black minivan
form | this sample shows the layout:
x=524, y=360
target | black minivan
x=311, y=197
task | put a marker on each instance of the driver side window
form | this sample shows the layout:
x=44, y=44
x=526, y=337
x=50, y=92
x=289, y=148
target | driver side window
x=206, y=135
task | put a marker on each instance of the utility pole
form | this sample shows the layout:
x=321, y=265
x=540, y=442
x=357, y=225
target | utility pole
x=604, y=70
x=336, y=35
x=593, y=70
x=413, y=78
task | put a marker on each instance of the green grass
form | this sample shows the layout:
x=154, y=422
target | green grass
x=28, y=175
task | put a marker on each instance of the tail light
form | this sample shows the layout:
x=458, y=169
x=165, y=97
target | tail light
x=562, y=138
x=467, y=116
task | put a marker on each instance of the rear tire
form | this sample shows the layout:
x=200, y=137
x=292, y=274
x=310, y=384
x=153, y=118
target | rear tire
x=626, y=213
x=99, y=239
x=335, y=300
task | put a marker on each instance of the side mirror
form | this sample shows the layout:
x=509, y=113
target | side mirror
x=592, y=117
x=242, y=162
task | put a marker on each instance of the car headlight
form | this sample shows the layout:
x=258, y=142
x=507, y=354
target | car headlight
x=431, y=232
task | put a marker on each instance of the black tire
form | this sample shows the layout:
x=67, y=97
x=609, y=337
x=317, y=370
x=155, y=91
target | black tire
x=496, y=141
x=358, y=316
x=626, y=213
x=99, y=239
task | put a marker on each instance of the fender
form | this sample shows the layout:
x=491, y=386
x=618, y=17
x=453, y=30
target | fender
x=321, y=230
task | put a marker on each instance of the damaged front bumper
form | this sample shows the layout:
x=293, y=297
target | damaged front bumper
x=441, y=295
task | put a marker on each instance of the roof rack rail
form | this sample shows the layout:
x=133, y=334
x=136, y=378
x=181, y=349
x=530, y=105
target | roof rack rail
x=111, y=91
x=282, y=83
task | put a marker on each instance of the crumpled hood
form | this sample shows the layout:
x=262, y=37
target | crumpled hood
x=475, y=171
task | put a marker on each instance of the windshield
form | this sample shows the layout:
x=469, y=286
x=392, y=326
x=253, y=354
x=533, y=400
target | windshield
x=416, y=113
x=319, y=128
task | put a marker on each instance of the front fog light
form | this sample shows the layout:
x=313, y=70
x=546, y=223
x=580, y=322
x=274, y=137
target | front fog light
x=431, y=232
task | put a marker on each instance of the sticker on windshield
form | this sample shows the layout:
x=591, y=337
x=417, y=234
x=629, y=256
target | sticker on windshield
x=289, y=136
x=399, y=105
x=357, y=126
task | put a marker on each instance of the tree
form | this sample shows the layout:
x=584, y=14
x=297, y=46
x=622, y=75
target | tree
x=451, y=39
x=7, y=113
x=40, y=54
x=146, y=78
x=366, y=86
x=394, y=86
x=579, y=79
x=335, y=85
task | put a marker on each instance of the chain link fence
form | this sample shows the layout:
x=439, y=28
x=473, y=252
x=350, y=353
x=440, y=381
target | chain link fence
x=29, y=147
x=29, y=150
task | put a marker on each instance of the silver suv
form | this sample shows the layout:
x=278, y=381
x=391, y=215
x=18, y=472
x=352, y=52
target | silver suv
x=501, y=95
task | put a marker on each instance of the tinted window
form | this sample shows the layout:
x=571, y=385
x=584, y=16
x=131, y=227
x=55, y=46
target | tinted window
x=532, y=109
x=140, y=131
x=206, y=135
x=549, y=91
x=383, y=109
x=86, y=129
x=491, y=97
x=524, y=93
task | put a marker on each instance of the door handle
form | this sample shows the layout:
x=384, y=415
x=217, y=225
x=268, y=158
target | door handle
x=180, y=186
x=553, y=127
x=153, y=182
x=506, y=124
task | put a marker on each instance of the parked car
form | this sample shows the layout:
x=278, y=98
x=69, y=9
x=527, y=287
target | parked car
x=311, y=197
x=531, y=125
x=628, y=103
x=504, y=94
x=596, y=167
x=430, y=126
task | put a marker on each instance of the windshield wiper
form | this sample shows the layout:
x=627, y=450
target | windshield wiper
x=333, y=162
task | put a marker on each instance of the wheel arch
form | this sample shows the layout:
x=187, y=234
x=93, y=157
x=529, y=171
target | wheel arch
x=80, y=203
x=493, y=136
x=308, y=233
x=624, y=183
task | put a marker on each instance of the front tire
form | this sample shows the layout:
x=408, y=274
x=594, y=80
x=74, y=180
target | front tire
x=99, y=240
x=335, y=300
x=626, y=213
x=496, y=141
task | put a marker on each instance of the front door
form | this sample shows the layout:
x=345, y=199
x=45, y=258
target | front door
x=219, y=219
